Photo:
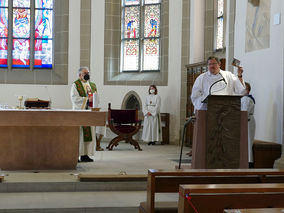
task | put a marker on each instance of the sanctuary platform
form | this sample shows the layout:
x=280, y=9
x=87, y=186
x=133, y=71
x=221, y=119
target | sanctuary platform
x=60, y=191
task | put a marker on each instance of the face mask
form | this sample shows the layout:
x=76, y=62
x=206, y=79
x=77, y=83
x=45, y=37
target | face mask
x=152, y=91
x=86, y=77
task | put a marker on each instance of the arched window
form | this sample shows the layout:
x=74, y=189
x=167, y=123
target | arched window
x=26, y=34
x=140, y=37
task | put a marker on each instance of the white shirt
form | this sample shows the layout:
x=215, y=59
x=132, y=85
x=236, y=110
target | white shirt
x=231, y=85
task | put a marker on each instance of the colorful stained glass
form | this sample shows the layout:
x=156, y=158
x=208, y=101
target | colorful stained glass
x=21, y=3
x=3, y=52
x=220, y=34
x=131, y=2
x=43, y=24
x=44, y=4
x=131, y=22
x=220, y=7
x=151, y=55
x=3, y=3
x=131, y=55
x=152, y=21
x=21, y=53
x=21, y=23
x=152, y=1
x=3, y=22
x=43, y=54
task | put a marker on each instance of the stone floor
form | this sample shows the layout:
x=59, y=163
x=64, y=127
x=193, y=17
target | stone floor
x=122, y=159
x=60, y=191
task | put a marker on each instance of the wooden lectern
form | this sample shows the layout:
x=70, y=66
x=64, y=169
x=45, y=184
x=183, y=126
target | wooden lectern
x=220, y=137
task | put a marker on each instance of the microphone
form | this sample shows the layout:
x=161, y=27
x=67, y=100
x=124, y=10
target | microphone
x=222, y=79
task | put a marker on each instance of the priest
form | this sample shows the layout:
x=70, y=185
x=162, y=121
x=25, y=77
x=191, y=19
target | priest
x=82, y=91
x=216, y=82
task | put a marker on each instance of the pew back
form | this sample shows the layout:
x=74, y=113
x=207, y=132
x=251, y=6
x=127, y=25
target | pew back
x=266, y=210
x=215, y=198
x=163, y=181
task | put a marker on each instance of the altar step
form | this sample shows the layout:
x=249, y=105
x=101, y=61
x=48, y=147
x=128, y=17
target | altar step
x=79, y=202
x=103, y=195
x=95, y=186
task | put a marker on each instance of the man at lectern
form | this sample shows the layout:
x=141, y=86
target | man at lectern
x=216, y=82
x=82, y=92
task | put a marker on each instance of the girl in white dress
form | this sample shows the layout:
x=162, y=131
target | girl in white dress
x=152, y=128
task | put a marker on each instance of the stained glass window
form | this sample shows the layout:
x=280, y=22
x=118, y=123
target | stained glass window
x=131, y=2
x=140, y=49
x=24, y=25
x=151, y=50
x=132, y=22
x=44, y=4
x=152, y=21
x=3, y=33
x=152, y=1
x=131, y=55
x=220, y=25
x=21, y=23
x=21, y=52
x=43, y=34
x=23, y=44
x=3, y=3
x=21, y=3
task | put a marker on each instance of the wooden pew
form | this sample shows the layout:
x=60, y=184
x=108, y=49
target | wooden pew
x=267, y=210
x=110, y=178
x=162, y=181
x=214, y=198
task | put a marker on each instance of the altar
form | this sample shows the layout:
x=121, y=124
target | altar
x=43, y=139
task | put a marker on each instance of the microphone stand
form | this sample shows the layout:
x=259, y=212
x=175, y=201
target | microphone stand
x=191, y=119
x=222, y=79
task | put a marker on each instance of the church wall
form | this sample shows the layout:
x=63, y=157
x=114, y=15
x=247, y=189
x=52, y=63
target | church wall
x=264, y=70
x=170, y=94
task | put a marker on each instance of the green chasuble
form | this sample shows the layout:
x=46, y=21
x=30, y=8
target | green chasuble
x=80, y=88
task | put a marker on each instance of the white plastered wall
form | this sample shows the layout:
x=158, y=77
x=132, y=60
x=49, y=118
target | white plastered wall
x=264, y=70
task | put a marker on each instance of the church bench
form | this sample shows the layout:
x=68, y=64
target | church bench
x=266, y=210
x=214, y=198
x=162, y=181
x=265, y=153
x=109, y=178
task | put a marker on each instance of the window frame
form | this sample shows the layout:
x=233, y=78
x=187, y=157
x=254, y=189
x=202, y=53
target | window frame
x=140, y=38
